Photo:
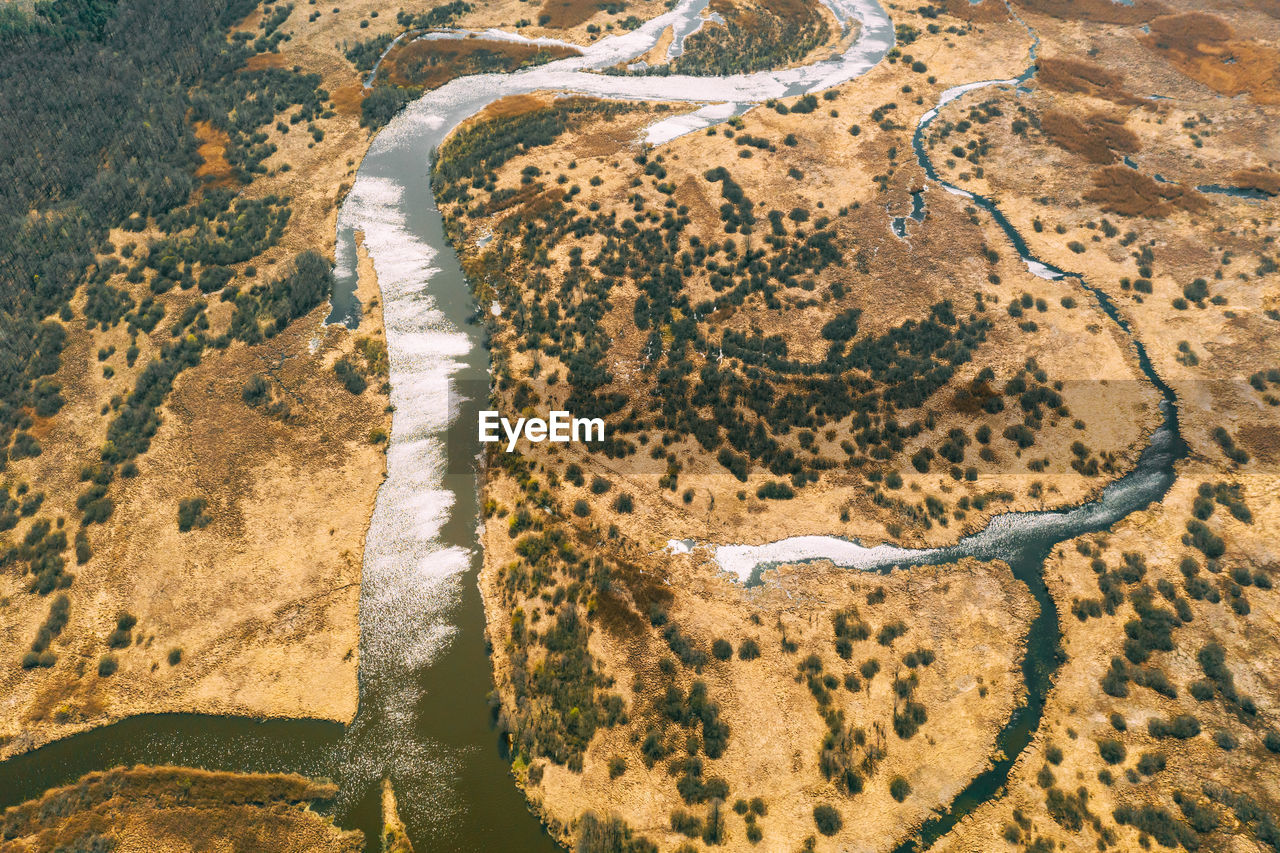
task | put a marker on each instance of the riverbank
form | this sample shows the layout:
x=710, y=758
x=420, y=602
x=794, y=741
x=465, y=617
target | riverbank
x=653, y=603
x=252, y=612
x=168, y=809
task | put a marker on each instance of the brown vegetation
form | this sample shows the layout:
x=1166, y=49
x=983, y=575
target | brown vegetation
x=289, y=647
x=1205, y=48
x=170, y=809
x=1263, y=180
x=566, y=14
x=1207, y=549
x=1096, y=11
x=562, y=595
x=260, y=61
x=983, y=12
x=1066, y=74
x=432, y=63
x=213, y=148
x=1125, y=191
x=511, y=105
x=347, y=99
x=394, y=837
x=1100, y=138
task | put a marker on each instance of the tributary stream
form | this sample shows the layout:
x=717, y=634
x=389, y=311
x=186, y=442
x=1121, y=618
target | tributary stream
x=424, y=720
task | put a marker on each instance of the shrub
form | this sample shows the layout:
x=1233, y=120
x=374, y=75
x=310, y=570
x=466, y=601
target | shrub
x=1111, y=750
x=722, y=649
x=1182, y=727
x=191, y=513
x=907, y=720
x=256, y=390
x=713, y=827
x=748, y=649
x=581, y=509
x=107, y=665
x=350, y=376
x=776, y=491
x=685, y=823
x=1045, y=778
x=827, y=819
x=890, y=632
x=1150, y=763
x=624, y=503
x=1158, y=823
x=175, y=656
x=83, y=551
x=1202, y=690
x=899, y=788
x=599, y=485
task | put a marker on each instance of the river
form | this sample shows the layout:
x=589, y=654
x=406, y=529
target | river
x=423, y=717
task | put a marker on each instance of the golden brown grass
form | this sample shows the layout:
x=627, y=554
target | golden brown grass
x=265, y=60
x=347, y=99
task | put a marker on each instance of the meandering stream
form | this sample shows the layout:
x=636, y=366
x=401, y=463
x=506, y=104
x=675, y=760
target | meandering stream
x=424, y=674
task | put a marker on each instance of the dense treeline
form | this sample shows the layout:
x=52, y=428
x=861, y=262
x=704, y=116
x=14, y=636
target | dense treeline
x=99, y=105
x=97, y=100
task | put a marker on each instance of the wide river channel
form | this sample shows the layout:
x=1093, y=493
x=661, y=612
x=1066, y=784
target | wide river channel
x=424, y=719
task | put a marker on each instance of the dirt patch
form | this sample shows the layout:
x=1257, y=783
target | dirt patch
x=1118, y=189
x=1205, y=48
x=1099, y=138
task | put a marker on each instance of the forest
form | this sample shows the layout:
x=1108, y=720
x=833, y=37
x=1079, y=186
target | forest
x=105, y=94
